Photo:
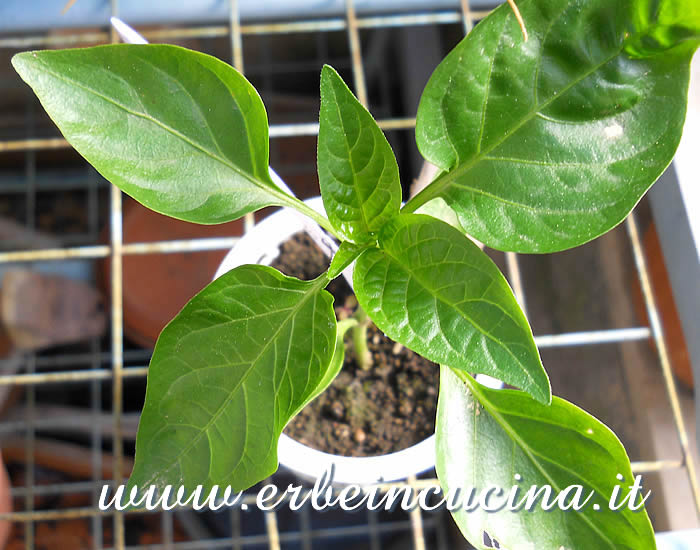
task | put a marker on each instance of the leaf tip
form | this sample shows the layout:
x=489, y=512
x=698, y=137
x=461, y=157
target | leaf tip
x=20, y=60
x=327, y=72
x=544, y=393
x=26, y=65
x=330, y=77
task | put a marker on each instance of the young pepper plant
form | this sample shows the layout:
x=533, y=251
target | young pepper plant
x=542, y=144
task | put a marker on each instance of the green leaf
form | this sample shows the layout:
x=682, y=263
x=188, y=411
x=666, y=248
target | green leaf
x=430, y=288
x=228, y=373
x=549, y=143
x=485, y=437
x=344, y=256
x=181, y=132
x=357, y=171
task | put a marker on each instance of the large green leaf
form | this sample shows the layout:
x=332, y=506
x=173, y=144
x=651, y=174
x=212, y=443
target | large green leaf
x=228, y=373
x=357, y=171
x=485, y=437
x=548, y=143
x=180, y=131
x=430, y=288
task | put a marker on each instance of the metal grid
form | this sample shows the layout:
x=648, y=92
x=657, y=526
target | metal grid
x=110, y=366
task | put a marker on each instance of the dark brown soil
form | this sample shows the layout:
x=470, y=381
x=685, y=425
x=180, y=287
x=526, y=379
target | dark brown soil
x=386, y=408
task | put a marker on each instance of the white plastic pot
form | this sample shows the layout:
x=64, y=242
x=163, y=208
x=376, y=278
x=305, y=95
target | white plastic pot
x=261, y=246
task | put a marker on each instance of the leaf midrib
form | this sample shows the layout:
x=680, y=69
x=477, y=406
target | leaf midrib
x=493, y=411
x=466, y=317
x=436, y=187
x=363, y=215
x=318, y=284
x=195, y=145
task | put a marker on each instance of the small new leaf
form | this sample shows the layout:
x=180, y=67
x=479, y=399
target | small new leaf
x=180, y=131
x=486, y=437
x=357, y=171
x=346, y=254
x=430, y=288
x=228, y=373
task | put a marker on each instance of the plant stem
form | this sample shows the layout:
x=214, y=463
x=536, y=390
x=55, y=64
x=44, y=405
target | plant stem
x=424, y=195
x=359, y=340
x=305, y=209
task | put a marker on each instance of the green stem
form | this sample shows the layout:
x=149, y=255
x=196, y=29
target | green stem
x=303, y=208
x=426, y=194
x=359, y=340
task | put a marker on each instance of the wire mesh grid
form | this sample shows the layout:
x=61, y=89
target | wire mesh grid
x=97, y=368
